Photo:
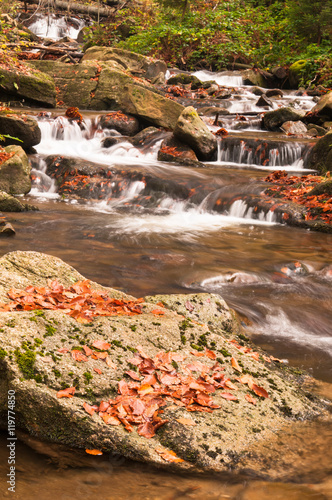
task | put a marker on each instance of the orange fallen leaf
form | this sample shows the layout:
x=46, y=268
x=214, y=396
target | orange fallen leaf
x=168, y=455
x=210, y=354
x=157, y=312
x=236, y=365
x=260, y=391
x=250, y=399
x=94, y=452
x=97, y=370
x=66, y=393
x=88, y=408
x=101, y=344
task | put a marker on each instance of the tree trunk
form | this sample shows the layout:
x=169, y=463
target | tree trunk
x=78, y=7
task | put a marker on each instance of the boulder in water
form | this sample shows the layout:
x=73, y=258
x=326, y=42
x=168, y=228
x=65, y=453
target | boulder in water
x=185, y=79
x=122, y=123
x=191, y=130
x=264, y=101
x=87, y=384
x=294, y=128
x=21, y=127
x=254, y=77
x=10, y=204
x=15, y=172
x=324, y=107
x=272, y=120
x=173, y=150
x=320, y=157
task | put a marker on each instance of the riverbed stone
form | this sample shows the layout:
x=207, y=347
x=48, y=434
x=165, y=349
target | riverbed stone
x=22, y=129
x=10, y=204
x=191, y=129
x=15, y=172
x=294, y=128
x=272, y=120
x=33, y=367
x=6, y=229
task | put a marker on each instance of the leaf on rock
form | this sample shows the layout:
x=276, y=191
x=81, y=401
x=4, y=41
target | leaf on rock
x=236, y=365
x=88, y=408
x=168, y=455
x=94, y=452
x=260, y=391
x=101, y=344
x=186, y=421
x=250, y=399
x=66, y=393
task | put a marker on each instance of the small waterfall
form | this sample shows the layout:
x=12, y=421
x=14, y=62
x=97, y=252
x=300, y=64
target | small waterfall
x=268, y=155
x=240, y=209
x=55, y=27
x=225, y=78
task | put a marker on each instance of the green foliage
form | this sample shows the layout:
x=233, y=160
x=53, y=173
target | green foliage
x=214, y=34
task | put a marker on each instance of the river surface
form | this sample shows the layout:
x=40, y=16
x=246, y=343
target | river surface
x=276, y=277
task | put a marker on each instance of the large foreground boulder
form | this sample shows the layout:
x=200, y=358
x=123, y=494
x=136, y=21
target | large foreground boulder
x=165, y=381
x=26, y=83
x=191, y=129
x=19, y=126
x=15, y=172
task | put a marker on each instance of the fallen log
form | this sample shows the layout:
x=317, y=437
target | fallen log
x=54, y=50
x=78, y=7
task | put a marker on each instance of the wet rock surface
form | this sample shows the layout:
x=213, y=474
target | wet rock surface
x=35, y=363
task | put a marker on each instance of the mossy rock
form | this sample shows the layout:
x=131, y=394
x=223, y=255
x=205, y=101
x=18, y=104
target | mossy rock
x=15, y=172
x=21, y=127
x=32, y=86
x=272, y=120
x=296, y=72
x=324, y=107
x=184, y=79
x=33, y=367
x=10, y=204
x=136, y=64
x=320, y=157
x=191, y=130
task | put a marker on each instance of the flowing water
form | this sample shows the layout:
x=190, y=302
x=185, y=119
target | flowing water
x=156, y=229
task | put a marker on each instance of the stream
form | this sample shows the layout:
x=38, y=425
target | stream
x=144, y=242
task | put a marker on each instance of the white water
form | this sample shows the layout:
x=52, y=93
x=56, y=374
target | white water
x=225, y=78
x=55, y=28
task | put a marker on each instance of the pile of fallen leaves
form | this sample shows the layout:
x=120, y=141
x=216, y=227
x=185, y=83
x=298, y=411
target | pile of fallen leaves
x=297, y=189
x=173, y=151
x=163, y=381
x=78, y=301
x=4, y=156
x=74, y=114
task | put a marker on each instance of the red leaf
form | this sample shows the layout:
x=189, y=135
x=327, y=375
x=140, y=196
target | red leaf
x=227, y=395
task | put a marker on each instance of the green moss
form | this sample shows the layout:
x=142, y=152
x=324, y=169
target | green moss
x=88, y=377
x=183, y=339
x=38, y=341
x=26, y=362
x=11, y=323
x=50, y=331
x=196, y=347
x=133, y=328
x=56, y=373
x=118, y=343
x=3, y=353
x=225, y=353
